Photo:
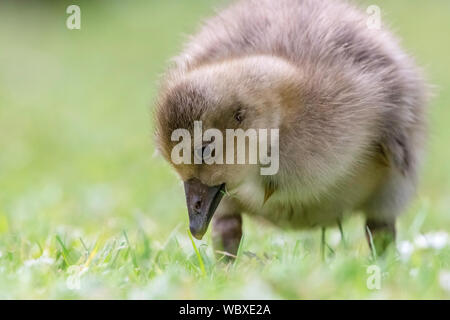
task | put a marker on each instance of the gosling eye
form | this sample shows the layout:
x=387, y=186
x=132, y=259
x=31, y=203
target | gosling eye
x=205, y=152
x=239, y=115
x=208, y=152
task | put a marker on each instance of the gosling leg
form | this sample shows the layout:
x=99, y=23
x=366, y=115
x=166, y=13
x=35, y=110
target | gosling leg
x=226, y=235
x=380, y=235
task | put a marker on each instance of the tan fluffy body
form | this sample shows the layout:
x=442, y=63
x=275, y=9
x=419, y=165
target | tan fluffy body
x=348, y=101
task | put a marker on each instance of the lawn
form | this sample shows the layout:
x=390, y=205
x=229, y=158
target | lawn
x=87, y=210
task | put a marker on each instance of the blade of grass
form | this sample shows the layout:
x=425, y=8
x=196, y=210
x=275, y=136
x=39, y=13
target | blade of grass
x=420, y=218
x=65, y=252
x=199, y=257
x=84, y=246
x=92, y=254
x=133, y=255
x=239, y=252
x=322, y=244
x=372, y=245
x=160, y=251
x=294, y=251
x=341, y=231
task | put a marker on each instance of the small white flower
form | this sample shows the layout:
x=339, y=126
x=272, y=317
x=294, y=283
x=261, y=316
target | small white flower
x=334, y=239
x=44, y=259
x=434, y=240
x=405, y=248
x=75, y=272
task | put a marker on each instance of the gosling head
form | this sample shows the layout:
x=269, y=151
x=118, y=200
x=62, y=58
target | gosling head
x=195, y=110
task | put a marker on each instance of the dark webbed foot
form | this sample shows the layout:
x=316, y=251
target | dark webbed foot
x=227, y=234
x=380, y=235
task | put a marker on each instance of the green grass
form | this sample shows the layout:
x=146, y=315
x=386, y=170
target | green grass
x=86, y=211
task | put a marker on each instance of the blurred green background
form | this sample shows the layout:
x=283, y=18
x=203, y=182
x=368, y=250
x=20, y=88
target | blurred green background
x=87, y=210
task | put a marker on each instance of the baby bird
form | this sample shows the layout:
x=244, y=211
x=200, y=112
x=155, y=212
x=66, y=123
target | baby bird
x=348, y=102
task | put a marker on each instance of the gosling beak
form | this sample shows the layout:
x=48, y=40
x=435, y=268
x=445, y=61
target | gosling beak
x=202, y=202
